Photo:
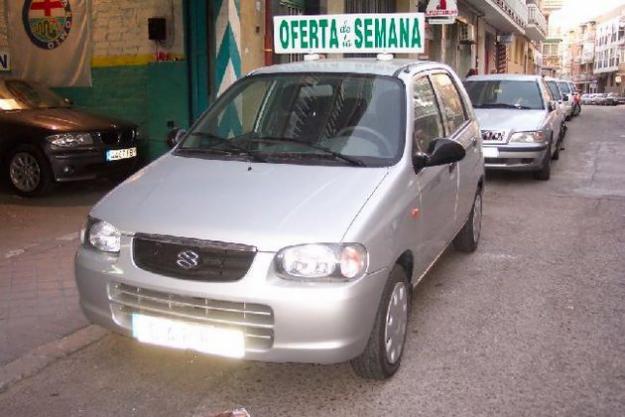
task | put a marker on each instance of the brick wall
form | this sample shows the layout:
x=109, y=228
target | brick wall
x=120, y=27
x=4, y=43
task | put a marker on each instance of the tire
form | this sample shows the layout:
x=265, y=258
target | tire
x=544, y=173
x=28, y=171
x=375, y=362
x=468, y=238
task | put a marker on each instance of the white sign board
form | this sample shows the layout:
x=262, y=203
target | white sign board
x=441, y=11
x=5, y=60
x=351, y=33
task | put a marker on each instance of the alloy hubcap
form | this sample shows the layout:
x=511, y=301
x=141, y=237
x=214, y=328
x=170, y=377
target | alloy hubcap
x=477, y=218
x=25, y=172
x=396, y=322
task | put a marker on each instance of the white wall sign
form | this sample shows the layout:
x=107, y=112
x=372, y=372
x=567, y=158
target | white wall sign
x=442, y=12
x=364, y=33
x=5, y=60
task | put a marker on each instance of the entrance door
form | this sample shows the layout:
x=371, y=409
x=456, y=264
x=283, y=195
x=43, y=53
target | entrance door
x=199, y=37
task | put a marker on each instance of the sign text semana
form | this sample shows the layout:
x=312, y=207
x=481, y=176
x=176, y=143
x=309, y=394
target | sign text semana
x=364, y=33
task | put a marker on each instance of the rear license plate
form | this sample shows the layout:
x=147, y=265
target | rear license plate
x=490, y=152
x=186, y=335
x=117, y=154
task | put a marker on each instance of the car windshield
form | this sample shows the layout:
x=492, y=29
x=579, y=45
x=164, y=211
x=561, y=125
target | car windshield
x=564, y=87
x=523, y=95
x=304, y=119
x=22, y=95
x=555, y=91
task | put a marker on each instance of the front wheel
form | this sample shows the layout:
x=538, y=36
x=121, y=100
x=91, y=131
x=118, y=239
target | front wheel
x=469, y=236
x=382, y=355
x=28, y=171
x=544, y=173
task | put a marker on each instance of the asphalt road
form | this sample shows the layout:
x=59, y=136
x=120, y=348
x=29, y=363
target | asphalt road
x=533, y=324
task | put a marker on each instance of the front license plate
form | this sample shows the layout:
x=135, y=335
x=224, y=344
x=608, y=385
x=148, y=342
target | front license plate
x=490, y=152
x=184, y=335
x=117, y=154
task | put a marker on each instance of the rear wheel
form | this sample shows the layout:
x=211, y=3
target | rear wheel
x=469, y=236
x=28, y=172
x=382, y=355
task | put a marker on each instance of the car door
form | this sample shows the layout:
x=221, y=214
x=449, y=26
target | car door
x=462, y=127
x=438, y=185
x=554, y=119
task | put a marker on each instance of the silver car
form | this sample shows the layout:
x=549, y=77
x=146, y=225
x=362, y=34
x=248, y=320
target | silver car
x=522, y=126
x=558, y=90
x=293, y=219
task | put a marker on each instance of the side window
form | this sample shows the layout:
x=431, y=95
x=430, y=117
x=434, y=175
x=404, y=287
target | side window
x=427, y=122
x=451, y=102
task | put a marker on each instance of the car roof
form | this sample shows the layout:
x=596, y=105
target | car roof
x=509, y=77
x=349, y=65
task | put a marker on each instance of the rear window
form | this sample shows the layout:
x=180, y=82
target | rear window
x=522, y=95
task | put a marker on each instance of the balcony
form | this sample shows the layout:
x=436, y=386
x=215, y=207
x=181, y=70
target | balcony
x=537, y=24
x=509, y=16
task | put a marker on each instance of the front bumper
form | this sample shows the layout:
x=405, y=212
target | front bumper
x=324, y=322
x=78, y=165
x=517, y=157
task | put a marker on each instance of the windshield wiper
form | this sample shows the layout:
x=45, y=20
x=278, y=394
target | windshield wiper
x=225, y=142
x=502, y=106
x=349, y=159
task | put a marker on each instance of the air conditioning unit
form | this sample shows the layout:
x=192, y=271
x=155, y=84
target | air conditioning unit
x=466, y=33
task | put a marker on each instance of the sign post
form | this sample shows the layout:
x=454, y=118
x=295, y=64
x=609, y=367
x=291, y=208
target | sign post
x=350, y=33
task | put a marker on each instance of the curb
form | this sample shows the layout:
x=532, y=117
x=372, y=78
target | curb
x=44, y=355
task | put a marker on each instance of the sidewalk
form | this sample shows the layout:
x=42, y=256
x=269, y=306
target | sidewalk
x=38, y=298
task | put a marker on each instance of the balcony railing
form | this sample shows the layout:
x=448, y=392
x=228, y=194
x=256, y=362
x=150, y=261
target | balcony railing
x=535, y=17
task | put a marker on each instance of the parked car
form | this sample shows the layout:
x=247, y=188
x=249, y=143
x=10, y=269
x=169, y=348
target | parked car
x=522, y=126
x=613, y=99
x=586, y=99
x=557, y=93
x=292, y=221
x=44, y=140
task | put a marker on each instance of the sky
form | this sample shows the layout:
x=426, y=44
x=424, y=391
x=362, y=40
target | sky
x=579, y=11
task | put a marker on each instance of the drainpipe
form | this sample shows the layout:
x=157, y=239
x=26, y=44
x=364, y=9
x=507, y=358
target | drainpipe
x=268, y=33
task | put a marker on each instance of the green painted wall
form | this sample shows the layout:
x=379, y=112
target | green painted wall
x=149, y=95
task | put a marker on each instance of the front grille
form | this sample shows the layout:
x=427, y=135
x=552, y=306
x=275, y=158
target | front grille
x=256, y=321
x=192, y=259
x=498, y=136
x=122, y=137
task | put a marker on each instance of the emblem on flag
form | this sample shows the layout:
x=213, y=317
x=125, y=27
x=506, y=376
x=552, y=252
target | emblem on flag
x=47, y=22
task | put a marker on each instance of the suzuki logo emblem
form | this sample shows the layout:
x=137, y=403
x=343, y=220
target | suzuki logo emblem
x=188, y=259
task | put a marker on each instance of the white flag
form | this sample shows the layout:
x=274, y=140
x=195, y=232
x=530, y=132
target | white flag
x=49, y=41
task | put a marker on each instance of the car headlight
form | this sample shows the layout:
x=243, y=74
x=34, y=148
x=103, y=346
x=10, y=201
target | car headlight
x=71, y=140
x=323, y=260
x=528, y=137
x=101, y=235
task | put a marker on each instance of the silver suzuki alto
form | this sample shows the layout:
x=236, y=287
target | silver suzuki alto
x=522, y=124
x=292, y=220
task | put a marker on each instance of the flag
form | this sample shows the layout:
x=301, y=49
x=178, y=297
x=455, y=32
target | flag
x=49, y=41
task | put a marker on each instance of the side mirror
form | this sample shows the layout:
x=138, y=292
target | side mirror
x=174, y=136
x=565, y=98
x=445, y=151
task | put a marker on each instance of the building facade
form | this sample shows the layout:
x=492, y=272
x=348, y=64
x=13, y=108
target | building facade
x=208, y=44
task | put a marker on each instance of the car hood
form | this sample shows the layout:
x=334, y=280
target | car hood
x=62, y=120
x=269, y=206
x=510, y=119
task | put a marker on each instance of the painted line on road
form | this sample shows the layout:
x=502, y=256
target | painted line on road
x=39, y=358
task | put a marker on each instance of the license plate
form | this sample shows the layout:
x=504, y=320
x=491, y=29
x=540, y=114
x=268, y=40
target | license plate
x=178, y=334
x=490, y=152
x=117, y=154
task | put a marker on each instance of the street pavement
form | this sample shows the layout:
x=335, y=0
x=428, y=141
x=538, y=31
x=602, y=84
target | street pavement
x=38, y=239
x=532, y=324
